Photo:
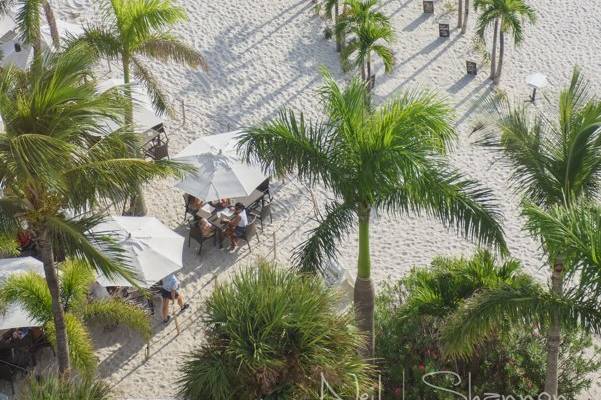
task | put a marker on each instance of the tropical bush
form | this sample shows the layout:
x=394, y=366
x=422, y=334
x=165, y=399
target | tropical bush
x=411, y=314
x=51, y=388
x=273, y=334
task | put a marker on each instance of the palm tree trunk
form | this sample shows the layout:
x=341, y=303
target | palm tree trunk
x=554, y=336
x=364, y=289
x=137, y=205
x=52, y=24
x=460, y=14
x=369, y=71
x=501, y=54
x=338, y=35
x=62, y=346
x=493, y=59
x=466, y=14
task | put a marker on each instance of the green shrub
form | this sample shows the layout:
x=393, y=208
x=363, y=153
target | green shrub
x=410, y=314
x=51, y=388
x=272, y=334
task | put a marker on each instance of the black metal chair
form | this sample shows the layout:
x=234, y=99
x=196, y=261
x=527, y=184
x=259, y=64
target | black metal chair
x=261, y=213
x=196, y=234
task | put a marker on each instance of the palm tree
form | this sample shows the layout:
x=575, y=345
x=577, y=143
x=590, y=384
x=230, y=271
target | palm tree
x=373, y=159
x=132, y=29
x=466, y=10
x=555, y=163
x=273, y=334
x=28, y=21
x=507, y=17
x=30, y=291
x=332, y=9
x=52, y=160
x=369, y=30
x=570, y=238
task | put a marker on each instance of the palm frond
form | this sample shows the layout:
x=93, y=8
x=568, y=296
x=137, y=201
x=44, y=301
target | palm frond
x=159, y=99
x=81, y=351
x=117, y=312
x=165, y=47
x=321, y=245
x=30, y=291
x=76, y=277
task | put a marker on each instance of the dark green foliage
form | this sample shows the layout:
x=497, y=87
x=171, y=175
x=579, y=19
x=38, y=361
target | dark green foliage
x=411, y=315
x=51, y=388
x=271, y=334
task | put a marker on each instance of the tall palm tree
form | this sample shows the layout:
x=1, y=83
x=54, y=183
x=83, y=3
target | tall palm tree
x=28, y=21
x=332, y=9
x=554, y=163
x=135, y=29
x=30, y=291
x=506, y=17
x=52, y=160
x=370, y=31
x=373, y=159
x=466, y=14
x=567, y=234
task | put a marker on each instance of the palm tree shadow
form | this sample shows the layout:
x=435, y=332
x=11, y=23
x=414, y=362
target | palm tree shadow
x=417, y=22
x=476, y=98
x=460, y=84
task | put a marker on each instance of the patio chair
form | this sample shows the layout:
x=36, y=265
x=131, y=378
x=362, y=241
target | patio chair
x=197, y=235
x=262, y=213
x=251, y=230
x=188, y=207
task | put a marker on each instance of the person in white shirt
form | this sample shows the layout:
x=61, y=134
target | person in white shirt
x=236, y=227
x=169, y=292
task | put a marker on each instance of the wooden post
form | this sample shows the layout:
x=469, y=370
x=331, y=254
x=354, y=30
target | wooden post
x=147, y=357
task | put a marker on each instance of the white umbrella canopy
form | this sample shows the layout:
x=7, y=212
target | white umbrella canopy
x=219, y=176
x=224, y=143
x=15, y=316
x=537, y=80
x=154, y=250
x=219, y=171
x=145, y=118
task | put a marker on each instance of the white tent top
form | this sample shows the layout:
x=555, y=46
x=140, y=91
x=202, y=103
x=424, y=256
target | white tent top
x=144, y=116
x=22, y=59
x=15, y=316
x=155, y=251
x=537, y=80
x=219, y=171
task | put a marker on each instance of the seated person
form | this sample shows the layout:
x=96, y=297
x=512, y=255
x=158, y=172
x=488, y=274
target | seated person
x=236, y=226
x=20, y=333
x=220, y=204
x=206, y=229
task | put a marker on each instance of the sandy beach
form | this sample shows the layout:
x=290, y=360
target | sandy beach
x=264, y=55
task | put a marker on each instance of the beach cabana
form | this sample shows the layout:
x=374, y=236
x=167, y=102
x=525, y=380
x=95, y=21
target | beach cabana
x=15, y=316
x=20, y=55
x=154, y=251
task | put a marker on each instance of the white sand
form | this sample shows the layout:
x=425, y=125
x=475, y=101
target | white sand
x=265, y=54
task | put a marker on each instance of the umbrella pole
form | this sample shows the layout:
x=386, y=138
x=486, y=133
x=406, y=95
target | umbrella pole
x=175, y=317
x=147, y=350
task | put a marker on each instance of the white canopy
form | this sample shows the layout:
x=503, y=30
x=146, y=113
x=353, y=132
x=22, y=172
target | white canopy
x=537, y=80
x=219, y=171
x=144, y=116
x=155, y=251
x=15, y=316
x=23, y=58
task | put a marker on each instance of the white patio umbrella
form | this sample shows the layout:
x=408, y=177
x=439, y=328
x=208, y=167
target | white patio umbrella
x=224, y=143
x=219, y=176
x=145, y=118
x=15, y=316
x=154, y=250
x=536, y=81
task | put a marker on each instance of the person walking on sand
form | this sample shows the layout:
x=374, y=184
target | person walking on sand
x=169, y=292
